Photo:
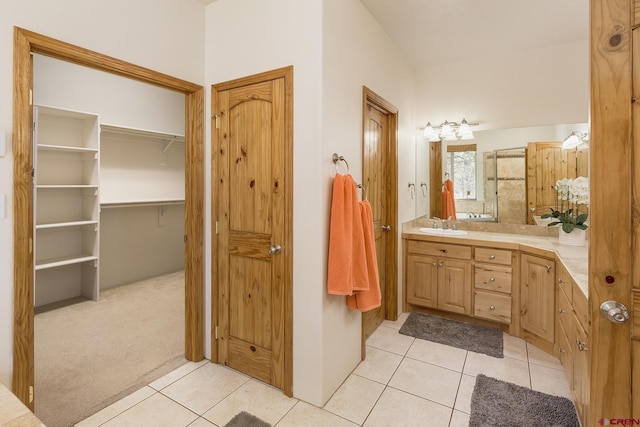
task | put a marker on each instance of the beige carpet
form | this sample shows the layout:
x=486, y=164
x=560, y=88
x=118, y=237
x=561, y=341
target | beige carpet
x=90, y=354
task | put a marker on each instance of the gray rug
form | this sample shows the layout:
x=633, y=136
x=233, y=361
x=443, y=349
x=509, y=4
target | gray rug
x=245, y=419
x=467, y=336
x=496, y=403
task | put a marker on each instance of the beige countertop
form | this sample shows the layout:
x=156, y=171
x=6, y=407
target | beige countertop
x=14, y=413
x=574, y=258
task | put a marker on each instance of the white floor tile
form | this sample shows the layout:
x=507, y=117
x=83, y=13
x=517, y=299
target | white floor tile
x=396, y=324
x=550, y=381
x=438, y=354
x=399, y=409
x=355, y=398
x=389, y=339
x=206, y=386
x=542, y=358
x=427, y=381
x=117, y=408
x=304, y=414
x=379, y=365
x=176, y=374
x=155, y=411
x=507, y=369
x=465, y=391
x=514, y=347
x=258, y=399
x=459, y=419
x=201, y=422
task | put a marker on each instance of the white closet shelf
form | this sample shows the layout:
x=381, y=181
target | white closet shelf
x=137, y=203
x=44, y=264
x=66, y=148
x=120, y=131
x=50, y=186
x=65, y=224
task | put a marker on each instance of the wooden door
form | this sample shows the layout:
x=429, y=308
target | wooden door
x=454, y=286
x=379, y=177
x=435, y=179
x=537, y=303
x=547, y=162
x=252, y=144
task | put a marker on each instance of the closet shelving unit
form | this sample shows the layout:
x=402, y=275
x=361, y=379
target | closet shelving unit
x=67, y=163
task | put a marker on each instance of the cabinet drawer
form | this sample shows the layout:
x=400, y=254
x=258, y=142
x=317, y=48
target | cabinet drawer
x=440, y=249
x=580, y=307
x=493, y=278
x=493, y=256
x=565, y=311
x=493, y=307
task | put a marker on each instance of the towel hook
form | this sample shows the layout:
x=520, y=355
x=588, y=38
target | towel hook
x=336, y=158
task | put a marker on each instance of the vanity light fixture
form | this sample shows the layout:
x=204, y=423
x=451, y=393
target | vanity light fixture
x=574, y=139
x=449, y=131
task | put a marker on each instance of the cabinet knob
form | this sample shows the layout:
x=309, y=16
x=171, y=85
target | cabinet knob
x=492, y=257
x=560, y=350
x=561, y=311
x=435, y=264
x=492, y=307
x=492, y=279
x=582, y=346
x=561, y=281
x=549, y=267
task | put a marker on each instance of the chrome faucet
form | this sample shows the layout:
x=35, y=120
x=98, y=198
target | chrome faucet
x=434, y=221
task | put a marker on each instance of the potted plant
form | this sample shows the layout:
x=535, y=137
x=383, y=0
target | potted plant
x=572, y=194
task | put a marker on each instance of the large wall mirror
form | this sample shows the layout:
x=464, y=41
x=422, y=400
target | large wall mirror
x=500, y=178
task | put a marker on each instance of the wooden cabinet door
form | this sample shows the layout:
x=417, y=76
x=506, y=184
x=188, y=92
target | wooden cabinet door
x=537, y=293
x=580, y=384
x=454, y=286
x=422, y=281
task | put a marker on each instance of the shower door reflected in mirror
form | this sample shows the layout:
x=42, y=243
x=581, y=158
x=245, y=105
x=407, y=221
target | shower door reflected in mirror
x=505, y=177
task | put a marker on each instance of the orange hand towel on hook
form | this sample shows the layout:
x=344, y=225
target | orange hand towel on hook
x=368, y=300
x=347, y=268
x=448, y=201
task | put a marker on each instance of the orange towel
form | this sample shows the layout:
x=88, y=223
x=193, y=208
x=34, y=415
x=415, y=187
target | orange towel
x=448, y=201
x=347, y=267
x=368, y=300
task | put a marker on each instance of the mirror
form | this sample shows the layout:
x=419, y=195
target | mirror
x=501, y=193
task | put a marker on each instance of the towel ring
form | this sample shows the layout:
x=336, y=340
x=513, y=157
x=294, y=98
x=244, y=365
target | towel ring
x=364, y=191
x=336, y=158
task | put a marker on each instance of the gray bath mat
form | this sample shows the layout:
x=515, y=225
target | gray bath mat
x=245, y=419
x=496, y=403
x=467, y=336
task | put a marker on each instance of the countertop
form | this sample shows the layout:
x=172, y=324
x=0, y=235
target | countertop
x=574, y=258
x=14, y=413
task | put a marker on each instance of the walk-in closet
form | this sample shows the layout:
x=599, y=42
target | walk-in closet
x=109, y=227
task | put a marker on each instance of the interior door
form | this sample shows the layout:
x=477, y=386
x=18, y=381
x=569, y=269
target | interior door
x=251, y=143
x=379, y=177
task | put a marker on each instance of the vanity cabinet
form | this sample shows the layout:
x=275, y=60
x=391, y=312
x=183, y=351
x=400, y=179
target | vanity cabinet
x=537, y=297
x=572, y=340
x=493, y=278
x=438, y=275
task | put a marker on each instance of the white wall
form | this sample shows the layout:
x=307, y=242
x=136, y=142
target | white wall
x=357, y=52
x=164, y=35
x=531, y=88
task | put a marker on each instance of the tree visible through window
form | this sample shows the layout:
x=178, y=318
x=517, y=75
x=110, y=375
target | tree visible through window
x=461, y=167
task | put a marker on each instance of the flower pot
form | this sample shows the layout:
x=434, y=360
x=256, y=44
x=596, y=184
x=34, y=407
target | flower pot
x=575, y=238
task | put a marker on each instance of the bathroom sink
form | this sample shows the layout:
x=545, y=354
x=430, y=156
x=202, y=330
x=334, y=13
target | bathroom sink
x=443, y=231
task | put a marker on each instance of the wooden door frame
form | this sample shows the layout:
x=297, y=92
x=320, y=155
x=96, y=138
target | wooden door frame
x=435, y=179
x=391, y=202
x=287, y=74
x=25, y=44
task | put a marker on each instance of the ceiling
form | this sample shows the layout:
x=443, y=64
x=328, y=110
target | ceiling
x=433, y=32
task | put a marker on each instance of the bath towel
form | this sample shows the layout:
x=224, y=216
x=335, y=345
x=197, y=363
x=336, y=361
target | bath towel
x=448, y=201
x=347, y=267
x=370, y=299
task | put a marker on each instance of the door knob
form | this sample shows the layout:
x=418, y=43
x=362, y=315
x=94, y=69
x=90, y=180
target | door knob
x=275, y=249
x=386, y=228
x=614, y=311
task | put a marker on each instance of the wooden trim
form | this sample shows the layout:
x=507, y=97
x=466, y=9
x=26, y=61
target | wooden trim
x=610, y=248
x=435, y=179
x=26, y=43
x=287, y=74
x=458, y=148
x=369, y=97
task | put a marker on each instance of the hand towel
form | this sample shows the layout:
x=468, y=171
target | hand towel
x=370, y=299
x=347, y=268
x=448, y=201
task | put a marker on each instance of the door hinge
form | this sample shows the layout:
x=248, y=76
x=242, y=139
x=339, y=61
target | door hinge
x=30, y=245
x=216, y=227
x=215, y=334
x=30, y=97
x=185, y=238
x=217, y=117
x=30, y=394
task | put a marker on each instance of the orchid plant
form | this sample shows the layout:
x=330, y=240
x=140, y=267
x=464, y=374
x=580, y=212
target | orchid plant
x=573, y=193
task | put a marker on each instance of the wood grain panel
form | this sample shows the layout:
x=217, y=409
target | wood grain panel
x=537, y=298
x=493, y=278
x=610, y=243
x=493, y=256
x=435, y=179
x=251, y=359
x=25, y=43
x=454, y=286
x=443, y=250
x=422, y=281
x=493, y=307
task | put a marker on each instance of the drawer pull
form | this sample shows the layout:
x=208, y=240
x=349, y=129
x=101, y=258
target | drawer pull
x=492, y=257
x=561, y=311
x=492, y=307
x=560, y=350
x=444, y=251
x=549, y=267
x=582, y=346
x=561, y=281
x=493, y=279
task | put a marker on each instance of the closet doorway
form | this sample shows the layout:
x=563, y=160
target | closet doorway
x=26, y=43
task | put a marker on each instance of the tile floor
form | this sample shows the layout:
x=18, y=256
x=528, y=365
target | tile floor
x=388, y=389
